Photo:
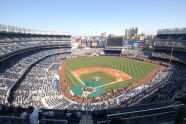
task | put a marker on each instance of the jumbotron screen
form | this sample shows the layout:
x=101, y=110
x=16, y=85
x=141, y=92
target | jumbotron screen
x=115, y=41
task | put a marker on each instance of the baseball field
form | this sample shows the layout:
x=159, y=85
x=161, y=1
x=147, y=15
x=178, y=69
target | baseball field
x=104, y=73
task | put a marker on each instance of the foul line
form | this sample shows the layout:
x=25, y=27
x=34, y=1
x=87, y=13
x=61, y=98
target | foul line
x=78, y=78
x=115, y=82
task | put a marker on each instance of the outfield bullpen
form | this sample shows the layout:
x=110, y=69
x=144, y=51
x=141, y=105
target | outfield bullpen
x=104, y=73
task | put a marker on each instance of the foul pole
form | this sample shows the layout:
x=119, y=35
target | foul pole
x=171, y=54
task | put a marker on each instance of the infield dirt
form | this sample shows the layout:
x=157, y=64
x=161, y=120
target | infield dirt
x=119, y=75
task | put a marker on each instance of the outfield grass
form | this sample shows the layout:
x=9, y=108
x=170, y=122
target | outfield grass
x=137, y=69
x=104, y=77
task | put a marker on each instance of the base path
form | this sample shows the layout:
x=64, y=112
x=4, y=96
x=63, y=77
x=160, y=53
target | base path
x=77, y=77
x=118, y=75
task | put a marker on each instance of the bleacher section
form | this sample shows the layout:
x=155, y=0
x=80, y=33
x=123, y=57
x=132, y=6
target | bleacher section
x=170, y=44
x=20, y=50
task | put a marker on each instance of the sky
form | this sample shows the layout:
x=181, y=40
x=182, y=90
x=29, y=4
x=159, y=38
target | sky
x=93, y=17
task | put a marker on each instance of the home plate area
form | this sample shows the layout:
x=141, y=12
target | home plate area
x=94, y=79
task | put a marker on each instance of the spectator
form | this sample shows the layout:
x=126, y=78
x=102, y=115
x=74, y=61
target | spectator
x=78, y=114
x=34, y=116
x=68, y=114
x=1, y=108
x=24, y=115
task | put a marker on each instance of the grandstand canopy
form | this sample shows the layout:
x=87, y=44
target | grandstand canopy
x=172, y=31
x=20, y=30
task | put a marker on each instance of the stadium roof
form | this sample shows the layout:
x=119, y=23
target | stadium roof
x=14, y=29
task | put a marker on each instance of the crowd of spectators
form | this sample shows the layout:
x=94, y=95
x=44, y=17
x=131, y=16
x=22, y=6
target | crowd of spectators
x=76, y=52
x=181, y=57
x=14, y=38
x=134, y=53
x=37, y=89
x=10, y=75
x=174, y=84
x=14, y=46
x=170, y=44
x=11, y=42
x=171, y=40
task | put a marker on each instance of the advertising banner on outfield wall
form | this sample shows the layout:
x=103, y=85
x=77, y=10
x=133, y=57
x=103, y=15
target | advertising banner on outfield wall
x=133, y=43
x=94, y=44
x=83, y=44
x=89, y=44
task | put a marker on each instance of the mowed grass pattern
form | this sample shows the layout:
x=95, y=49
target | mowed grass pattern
x=137, y=69
x=104, y=77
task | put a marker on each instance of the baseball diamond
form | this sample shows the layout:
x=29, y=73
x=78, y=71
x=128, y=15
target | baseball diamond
x=103, y=74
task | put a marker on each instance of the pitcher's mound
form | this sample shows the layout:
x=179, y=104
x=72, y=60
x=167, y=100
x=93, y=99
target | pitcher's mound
x=96, y=78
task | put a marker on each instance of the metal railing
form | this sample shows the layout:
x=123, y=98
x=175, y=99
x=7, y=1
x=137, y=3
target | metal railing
x=19, y=120
x=149, y=115
x=150, y=118
x=142, y=111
